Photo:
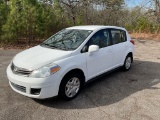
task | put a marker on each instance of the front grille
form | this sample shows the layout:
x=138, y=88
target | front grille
x=20, y=71
x=18, y=87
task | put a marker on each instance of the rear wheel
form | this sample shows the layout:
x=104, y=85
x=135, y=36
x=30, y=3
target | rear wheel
x=127, y=63
x=70, y=86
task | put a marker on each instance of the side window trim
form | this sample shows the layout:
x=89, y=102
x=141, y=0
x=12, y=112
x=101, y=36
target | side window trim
x=125, y=35
x=110, y=36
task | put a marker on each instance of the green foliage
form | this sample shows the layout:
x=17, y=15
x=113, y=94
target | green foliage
x=28, y=21
x=143, y=25
x=4, y=11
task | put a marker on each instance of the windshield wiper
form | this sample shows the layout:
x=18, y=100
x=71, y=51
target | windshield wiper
x=60, y=46
x=49, y=45
x=54, y=46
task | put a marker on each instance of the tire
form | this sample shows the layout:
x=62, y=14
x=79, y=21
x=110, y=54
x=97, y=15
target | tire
x=127, y=63
x=70, y=86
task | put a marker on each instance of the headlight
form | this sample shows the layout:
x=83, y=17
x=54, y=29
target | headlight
x=45, y=71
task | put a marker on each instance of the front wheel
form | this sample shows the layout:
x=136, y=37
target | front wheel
x=127, y=63
x=70, y=86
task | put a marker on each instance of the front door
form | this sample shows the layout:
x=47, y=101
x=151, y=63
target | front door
x=100, y=61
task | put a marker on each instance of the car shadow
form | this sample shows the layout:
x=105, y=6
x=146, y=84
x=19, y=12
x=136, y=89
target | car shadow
x=112, y=87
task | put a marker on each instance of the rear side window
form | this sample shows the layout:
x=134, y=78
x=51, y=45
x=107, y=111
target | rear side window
x=118, y=36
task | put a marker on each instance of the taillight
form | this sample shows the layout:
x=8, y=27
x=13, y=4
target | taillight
x=132, y=41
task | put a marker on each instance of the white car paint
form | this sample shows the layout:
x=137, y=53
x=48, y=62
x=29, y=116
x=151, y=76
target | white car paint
x=92, y=65
x=99, y=62
x=39, y=56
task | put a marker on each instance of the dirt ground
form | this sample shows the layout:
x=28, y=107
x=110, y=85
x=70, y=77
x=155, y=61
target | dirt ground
x=145, y=36
x=131, y=95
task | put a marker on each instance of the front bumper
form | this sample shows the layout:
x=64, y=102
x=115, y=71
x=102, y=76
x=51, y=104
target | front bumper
x=48, y=87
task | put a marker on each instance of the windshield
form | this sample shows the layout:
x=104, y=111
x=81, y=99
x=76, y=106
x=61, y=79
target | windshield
x=67, y=39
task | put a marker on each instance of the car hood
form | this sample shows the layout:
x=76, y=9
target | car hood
x=38, y=56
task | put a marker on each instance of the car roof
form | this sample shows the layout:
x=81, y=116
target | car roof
x=95, y=27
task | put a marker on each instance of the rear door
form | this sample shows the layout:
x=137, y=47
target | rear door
x=119, y=41
x=100, y=61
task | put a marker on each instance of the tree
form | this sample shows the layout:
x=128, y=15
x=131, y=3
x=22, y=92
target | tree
x=4, y=11
x=28, y=20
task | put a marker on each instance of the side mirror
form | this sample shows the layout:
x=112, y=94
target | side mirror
x=93, y=48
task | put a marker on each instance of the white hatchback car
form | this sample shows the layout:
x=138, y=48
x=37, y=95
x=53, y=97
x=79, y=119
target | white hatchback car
x=62, y=64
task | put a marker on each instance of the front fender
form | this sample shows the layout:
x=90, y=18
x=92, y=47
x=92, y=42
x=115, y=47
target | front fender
x=70, y=63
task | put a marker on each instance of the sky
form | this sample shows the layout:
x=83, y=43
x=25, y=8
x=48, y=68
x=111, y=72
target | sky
x=133, y=3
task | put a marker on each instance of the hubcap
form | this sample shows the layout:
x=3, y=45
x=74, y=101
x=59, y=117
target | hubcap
x=128, y=63
x=72, y=87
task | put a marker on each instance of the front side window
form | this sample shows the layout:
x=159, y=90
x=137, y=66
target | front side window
x=67, y=39
x=101, y=38
x=118, y=36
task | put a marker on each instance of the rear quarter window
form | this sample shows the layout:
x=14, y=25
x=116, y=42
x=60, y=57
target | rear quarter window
x=118, y=36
